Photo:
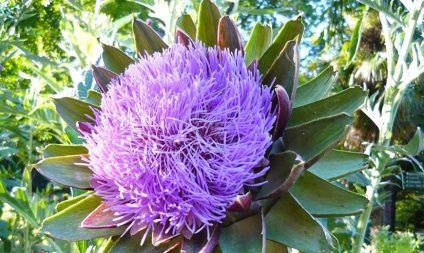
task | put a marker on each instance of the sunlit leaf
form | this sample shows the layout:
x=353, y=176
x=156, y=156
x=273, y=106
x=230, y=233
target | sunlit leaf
x=66, y=225
x=72, y=110
x=292, y=30
x=147, y=41
x=354, y=42
x=66, y=170
x=94, y=97
x=52, y=150
x=258, y=42
x=208, y=19
x=315, y=89
x=185, y=23
x=115, y=60
x=284, y=70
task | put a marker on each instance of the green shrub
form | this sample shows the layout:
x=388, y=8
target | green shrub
x=384, y=241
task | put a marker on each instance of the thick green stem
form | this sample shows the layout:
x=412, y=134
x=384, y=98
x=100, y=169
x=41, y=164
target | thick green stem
x=359, y=237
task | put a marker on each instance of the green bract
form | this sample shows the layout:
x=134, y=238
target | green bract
x=280, y=214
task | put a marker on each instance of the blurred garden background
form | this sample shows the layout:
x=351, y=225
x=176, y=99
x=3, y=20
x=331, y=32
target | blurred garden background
x=47, y=47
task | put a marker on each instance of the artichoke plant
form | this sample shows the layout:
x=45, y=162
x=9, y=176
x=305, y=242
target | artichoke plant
x=205, y=145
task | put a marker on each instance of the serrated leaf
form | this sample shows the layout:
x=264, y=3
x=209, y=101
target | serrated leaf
x=185, y=23
x=52, y=150
x=147, y=41
x=63, y=169
x=102, y=77
x=313, y=139
x=115, y=60
x=284, y=170
x=347, y=101
x=94, y=97
x=288, y=223
x=208, y=19
x=324, y=199
x=72, y=110
x=243, y=236
x=229, y=36
x=284, y=70
x=292, y=30
x=315, y=89
x=66, y=225
x=258, y=42
x=338, y=164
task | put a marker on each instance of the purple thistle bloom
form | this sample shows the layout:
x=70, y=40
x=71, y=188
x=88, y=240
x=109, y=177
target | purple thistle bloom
x=178, y=137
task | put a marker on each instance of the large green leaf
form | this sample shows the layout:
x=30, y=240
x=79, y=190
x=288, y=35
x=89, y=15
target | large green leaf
x=185, y=23
x=52, y=150
x=66, y=225
x=115, y=60
x=228, y=35
x=258, y=43
x=284, y=170
x=325, y=199
x=243, y=236
x=347, y=101
x=64, y=170
x=338, y=164
x=316, y=88
x=147, y=41
x=208, y=19
x=292, y=30
x=313, y=139
x=287, y=222
x=72, y=110
x=284, y=70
